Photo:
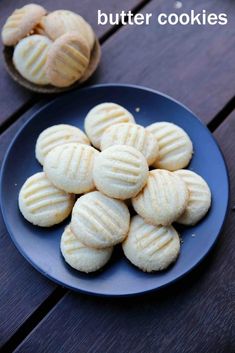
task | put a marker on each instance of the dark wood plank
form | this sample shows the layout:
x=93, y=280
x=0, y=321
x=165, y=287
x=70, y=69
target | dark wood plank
x=13, y=97
x=196, y=315
x=194, y=64
x=22, y=290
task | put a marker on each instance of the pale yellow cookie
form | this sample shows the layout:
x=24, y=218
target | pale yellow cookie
x=57, y=135
x=163, y=199
x=199, y=197
x=30, y=58
x=21, y=22
x=99, y=221
x=175, y=146
x=59, y=22
x=70, y=167
x=103, y=116
x=67, y=60
x=151, y=248
x=43, y=204
x=81, y=257
x=131, y=135
x=120, y=172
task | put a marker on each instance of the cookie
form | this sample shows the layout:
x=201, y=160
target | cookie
x=43, y=204
x=131, y=135
x=163, y=199
x=21, y=22
x=103, y=116
x=30, y=58
x=151, y=248
x=67, y=60
x=99, y=221
x=120, y=172
x=57, y=135
x=199, y=197
x=59, y=22
x=81, y=257
x=70, y=167
x=175, y=146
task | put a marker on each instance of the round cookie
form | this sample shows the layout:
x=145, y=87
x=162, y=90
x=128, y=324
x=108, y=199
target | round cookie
x=30, y=57
x=42, y=204
x=163, y=199
x=199, y=197
x=175, y=146
x=120, y=172
x=70, y=167
x=99, y=221
x=151, y=248
x=131, y=135
x=103, y=116
x=21, y=22
x=79, y=256
x=57, y=135
x=59, y=22
x=67, y=60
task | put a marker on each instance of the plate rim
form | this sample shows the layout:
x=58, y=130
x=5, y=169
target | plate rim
x=43, y=104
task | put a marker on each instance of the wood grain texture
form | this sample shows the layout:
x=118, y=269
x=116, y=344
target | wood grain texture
x=196, y=315
x=12, y=95
x=194, y=64
x=22, y=289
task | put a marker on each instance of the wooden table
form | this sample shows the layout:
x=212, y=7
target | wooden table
x=196, y=65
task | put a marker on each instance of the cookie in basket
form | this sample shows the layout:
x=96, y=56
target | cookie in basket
x=70, y=167
x=59, y=22
x=132, y=135
x=67, y=60
x=120, y=171
x=57, y=135
x=103, y=116
x=99, y=221
x=151, y=248
x=43, y=204
x=30, y=58
x=80, y=256
x=199, y=197
x=163, y=199
x=21, y=22
x=175, y=146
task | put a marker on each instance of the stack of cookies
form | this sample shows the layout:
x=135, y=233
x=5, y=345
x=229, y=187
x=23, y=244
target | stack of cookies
x=53, y=48
x=115, y=166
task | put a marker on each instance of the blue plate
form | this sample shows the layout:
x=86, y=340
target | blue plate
x=41, y=247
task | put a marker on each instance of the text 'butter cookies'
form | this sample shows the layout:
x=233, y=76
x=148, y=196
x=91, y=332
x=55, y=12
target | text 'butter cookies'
x=57, y=135
x=81, y=257
x=175, y=146
x=103, y=116
x=131, y=135
x=70, y=167
x=163, y=199
x=43, y=204
x=120, y=172
x=30, y=58
x=99, y=221
x=199, y=197
x=67, y=60
x=21, y=22
x=151, y=248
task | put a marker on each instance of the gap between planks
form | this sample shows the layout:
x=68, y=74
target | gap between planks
x=34, y=319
